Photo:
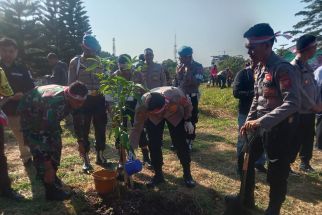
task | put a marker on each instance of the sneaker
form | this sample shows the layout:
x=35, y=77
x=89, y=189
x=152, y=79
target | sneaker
x=306, y=167
x=87, y=167
x=260, y=168
x=11, y=194
x=190, y=183
x=172, y=147
x=156, y=180
x=292, y=172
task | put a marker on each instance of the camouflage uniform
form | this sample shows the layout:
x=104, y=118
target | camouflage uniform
x=41, y=110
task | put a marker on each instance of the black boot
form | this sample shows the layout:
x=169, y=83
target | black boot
x=273, y=209
x=100, y=159
x=146, y=157
x=11, y=194
x=58, y=182
x=235, y=201
x=54, y=193
x=157, y=179
x=306, y=167
x=188, y=180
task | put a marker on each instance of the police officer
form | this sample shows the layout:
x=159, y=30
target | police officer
x=94, y=108
x=310, y=97
x=272, y=114
x=5, y=183
x=154, y=74
x=41, y=111
x=160, y=105
x=59, y=70
x=189, y=75
x=20, y=81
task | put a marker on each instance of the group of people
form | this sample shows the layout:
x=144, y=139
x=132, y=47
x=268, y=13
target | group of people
x=74, y=90
x=221, y=79
x=277, y=105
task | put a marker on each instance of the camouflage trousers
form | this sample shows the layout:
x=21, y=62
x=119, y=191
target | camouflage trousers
x=45, y=147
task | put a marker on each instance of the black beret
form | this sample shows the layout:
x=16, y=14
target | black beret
x=259, y=30
x=304, y=41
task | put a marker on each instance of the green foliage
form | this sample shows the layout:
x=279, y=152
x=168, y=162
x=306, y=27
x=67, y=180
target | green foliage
x=43, y=26
x=120, y=90
x=312, y=19
x=170, y=66
x=235, y=64
x=21, y=21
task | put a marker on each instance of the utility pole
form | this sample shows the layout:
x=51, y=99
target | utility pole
x=114, y=52
x=175, y=48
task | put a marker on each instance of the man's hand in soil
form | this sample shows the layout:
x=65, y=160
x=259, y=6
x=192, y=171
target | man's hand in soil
x=250, y=125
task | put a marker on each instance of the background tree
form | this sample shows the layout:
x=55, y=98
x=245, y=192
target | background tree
x=65, y=22
x=235, y=64
x=77, y=23
x=21, y=21
x=312, y=19
x=170, y=67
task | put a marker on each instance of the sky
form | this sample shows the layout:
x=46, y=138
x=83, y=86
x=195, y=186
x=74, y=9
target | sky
x=210, y=27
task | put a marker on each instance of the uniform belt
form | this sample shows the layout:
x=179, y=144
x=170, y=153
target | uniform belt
x=192, y=94
x=93, y=92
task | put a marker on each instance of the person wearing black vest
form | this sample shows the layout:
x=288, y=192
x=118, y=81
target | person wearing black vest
x=243, y=90
x=20, y=80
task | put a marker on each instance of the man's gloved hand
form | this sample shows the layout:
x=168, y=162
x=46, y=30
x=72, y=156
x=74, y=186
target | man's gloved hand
x=81, y=148
x=189, y=127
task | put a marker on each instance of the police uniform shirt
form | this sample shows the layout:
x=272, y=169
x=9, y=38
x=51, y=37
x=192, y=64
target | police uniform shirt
x=307, y=86
x=276, y=93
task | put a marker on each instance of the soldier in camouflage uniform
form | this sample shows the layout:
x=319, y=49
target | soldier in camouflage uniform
x=41, y=110
x=189, y=75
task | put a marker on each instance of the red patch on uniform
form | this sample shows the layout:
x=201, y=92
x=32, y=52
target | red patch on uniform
x=183, y=101
x=285, y=82
x=268, y=77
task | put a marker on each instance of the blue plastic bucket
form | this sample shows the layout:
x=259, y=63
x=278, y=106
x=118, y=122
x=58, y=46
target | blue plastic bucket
x=133, y=166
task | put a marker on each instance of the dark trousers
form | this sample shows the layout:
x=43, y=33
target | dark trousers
x=194, y=116
x=213, y=80
x=178, y=137
x=304, y=138
x=94, y=109
x=4, y=177
x=318, y=143
x=276, y=143
x=222, y=81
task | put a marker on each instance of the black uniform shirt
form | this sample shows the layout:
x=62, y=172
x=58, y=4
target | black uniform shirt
x=20, y=80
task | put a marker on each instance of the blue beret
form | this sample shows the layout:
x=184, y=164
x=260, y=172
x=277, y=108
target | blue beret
x=91, y=43
x=185, y=51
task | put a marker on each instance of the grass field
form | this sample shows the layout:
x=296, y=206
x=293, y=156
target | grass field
x=213, y=167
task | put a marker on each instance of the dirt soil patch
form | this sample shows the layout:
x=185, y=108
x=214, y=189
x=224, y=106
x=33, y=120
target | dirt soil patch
x=139, y=202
